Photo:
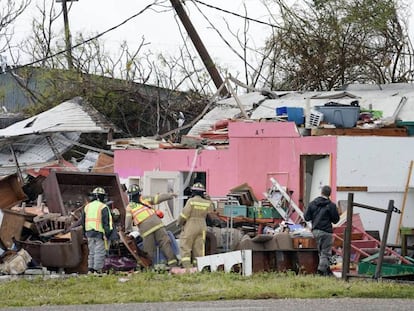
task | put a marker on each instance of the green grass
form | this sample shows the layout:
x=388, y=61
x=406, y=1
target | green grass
x=161, y=287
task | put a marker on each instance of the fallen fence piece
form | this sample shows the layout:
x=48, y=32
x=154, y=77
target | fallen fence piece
x=228, y=260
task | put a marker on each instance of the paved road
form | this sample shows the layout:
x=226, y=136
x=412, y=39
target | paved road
x=339, y=304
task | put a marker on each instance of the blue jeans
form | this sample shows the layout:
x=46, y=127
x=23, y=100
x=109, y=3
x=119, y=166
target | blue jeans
x=324, y=244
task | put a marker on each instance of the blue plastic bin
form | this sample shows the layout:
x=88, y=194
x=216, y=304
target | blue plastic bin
x=296, y=114
x=280, y=111
x=340, y=116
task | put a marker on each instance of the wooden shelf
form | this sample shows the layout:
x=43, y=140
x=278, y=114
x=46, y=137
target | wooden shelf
x=355, y=131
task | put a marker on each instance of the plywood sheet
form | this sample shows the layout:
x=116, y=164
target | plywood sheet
x=11, y=192
x=11, y=227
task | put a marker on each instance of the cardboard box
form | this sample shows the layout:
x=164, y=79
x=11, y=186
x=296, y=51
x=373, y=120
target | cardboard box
x=301, y=242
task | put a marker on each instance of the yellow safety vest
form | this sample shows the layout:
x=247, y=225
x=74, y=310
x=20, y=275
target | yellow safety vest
x=93, y=216
x=140, y=212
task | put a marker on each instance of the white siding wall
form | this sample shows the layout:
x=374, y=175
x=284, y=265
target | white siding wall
x=381, y=164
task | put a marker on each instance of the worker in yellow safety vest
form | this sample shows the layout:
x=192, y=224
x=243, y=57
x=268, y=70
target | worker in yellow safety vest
x=193, y=220
x=97, y=225
x=149, y=223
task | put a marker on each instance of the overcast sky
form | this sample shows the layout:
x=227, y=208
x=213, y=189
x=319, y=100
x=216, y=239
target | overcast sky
x=159, y=26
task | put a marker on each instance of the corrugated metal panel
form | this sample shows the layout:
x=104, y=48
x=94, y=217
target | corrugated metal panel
x=14, y=97
x=63, y=124
x=8, y=119
x=71, y=116
x=225, y=109
x=34, y=152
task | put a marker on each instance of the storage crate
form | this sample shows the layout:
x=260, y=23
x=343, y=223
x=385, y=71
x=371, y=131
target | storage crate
x=235, y=210
x=296, y=114
x=280, y=111
x=262, y=212
x=386, y=268
x=315, y=118
x=406, y=230
x=340, y=116
x=409, y=125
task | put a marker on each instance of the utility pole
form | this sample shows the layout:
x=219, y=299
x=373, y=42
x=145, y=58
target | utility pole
x=201, y=49
x=67, y=33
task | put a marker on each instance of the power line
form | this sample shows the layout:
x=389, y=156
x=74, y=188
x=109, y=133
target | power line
x=235, y=14
x=224, y=40
x=83, y=42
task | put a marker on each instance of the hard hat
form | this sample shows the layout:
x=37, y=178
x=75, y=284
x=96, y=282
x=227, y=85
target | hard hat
x=99, y=190
x=134, y=189
x=198, y=186
x=159, y=213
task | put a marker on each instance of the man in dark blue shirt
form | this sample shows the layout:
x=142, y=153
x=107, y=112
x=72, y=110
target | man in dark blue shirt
x=322, y=212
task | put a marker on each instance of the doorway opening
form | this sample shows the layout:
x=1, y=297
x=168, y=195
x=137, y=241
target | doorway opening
x=315, y=172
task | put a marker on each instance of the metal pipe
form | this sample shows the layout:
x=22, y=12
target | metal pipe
x=384, y=239
x=16, y=162
x=347, y=238
x=372, y=208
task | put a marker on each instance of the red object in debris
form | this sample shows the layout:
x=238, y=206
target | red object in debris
x=178, y=270
x=159, y=213
x=221, y=124
x=44, y=171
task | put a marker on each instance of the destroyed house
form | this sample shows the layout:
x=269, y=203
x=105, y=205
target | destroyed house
x=364, y=146
x=262, y=156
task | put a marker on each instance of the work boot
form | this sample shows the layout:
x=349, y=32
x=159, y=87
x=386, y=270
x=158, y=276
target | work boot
x=172, y=263
x=329, y=272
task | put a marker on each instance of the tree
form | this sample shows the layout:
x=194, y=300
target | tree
x=10, y=10
x=323, y=45
x=138, y=91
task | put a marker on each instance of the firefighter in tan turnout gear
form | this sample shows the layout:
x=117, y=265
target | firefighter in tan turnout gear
x=193, y=220
x=151, y=228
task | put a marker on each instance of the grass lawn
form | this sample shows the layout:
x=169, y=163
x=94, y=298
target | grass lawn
x=161, y=287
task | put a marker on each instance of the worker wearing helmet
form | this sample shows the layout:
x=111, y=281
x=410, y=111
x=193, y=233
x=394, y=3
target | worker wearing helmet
x=151, y=228
x=193, y=220
x=97, y=225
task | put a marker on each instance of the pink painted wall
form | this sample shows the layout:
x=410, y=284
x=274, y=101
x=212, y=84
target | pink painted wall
x=257, y=151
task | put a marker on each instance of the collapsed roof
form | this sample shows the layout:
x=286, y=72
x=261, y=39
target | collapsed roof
x=262, y=105
x=38, y=141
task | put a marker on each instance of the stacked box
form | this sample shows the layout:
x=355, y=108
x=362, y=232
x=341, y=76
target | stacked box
x=235, y=210
x=386, y=268
x=409, y=125
x=262, y=212
x=296, y=114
